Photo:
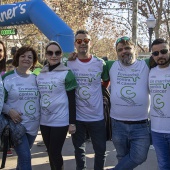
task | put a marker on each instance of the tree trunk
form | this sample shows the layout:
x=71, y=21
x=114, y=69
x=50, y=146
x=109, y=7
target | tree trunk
x=134, y=21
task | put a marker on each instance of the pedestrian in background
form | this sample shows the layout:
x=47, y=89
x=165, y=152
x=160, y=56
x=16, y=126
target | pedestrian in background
x=22, y=102
x=129, y=105
x=56, y=85
x=88, y=70
x=159, y=85
x=3, y=57
x=3, y=68
x=9, y=66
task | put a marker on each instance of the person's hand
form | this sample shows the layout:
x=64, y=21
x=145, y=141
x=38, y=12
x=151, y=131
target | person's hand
x=15, y=116
x=72, y=56
x=72, y=128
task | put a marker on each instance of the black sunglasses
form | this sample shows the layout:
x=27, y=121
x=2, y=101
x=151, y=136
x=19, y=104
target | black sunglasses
x=50, y=53
x=163, y=51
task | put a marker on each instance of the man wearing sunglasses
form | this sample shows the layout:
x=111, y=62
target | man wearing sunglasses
x=159, y=85
x=88, y=70
x=129, y=105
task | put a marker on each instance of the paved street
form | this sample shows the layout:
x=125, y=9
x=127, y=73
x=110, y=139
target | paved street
x=40, y=159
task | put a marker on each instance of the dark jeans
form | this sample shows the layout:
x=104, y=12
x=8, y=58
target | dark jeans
x=97, y=134
x=54, y=138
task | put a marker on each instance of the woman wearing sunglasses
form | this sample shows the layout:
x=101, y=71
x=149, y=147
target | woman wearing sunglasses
x=57, y=85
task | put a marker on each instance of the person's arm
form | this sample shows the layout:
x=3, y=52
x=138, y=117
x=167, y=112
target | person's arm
x=72, y=111
x=7, y=108
x=72, y=106
x=105, y=74
x=1, y=95
x=71, y=84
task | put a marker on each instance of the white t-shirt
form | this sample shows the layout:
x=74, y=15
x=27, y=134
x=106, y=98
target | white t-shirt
x=89, y=99
x=54, y=101
x=129, y=90
x=159, y=85
x=21, y=94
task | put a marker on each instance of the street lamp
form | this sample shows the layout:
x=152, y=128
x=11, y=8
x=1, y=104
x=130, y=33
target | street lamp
x=151, y=22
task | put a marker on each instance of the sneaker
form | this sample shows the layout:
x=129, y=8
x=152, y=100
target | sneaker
x=41, y=143
x=9, y=153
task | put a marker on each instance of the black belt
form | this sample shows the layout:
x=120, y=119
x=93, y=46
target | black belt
x=133, y=122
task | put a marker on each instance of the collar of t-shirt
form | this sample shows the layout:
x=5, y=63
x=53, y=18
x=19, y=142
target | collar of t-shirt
x=53, y=66
x=86, y=60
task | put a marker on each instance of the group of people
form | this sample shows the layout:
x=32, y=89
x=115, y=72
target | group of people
x=71, y=100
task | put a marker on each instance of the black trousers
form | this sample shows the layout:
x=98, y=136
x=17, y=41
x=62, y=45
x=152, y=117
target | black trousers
x=54, y=138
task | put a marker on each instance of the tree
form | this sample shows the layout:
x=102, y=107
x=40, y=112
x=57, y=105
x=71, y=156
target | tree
x=73, y=13
x=122, y=12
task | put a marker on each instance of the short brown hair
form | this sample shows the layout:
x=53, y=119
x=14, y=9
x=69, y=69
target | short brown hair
x=20, y=52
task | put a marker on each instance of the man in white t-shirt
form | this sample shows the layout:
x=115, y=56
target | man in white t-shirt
x=129, y=105
x=159, y=85
x=88, y=70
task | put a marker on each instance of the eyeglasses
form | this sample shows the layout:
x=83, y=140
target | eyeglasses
x=122, y=38
x=50, y=53
x=125, y=48
x=79, y=41
x=163, y=51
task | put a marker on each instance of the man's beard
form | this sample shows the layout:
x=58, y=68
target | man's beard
x=128, y=60
x=163, y=62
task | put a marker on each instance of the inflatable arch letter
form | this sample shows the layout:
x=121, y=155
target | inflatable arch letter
x=38, y=13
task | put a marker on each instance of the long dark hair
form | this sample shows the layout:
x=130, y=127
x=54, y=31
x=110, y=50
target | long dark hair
x=3, y=61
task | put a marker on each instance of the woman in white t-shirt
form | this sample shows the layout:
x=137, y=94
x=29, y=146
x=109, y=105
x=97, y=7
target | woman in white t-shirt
x=22, y=102
x=56, y=85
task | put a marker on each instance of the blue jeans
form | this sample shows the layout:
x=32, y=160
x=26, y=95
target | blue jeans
x=24, y=153
x=132, y=143
x=161, y=143
x=97, y=134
